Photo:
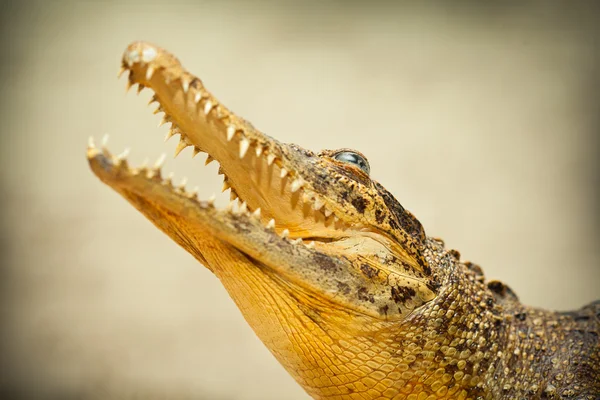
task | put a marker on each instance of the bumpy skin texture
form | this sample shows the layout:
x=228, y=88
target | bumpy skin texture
x=337, y=279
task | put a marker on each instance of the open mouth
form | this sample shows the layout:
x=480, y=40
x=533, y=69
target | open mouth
x=301, y=215
x=259, y=172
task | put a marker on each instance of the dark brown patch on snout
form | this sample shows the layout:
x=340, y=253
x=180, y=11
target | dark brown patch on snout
x=369, y=271
x=402, y=294
x=363, y=294
x=360, y=204
x=325, y=262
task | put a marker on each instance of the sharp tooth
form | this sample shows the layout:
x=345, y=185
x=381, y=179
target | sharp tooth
x=259, y=150
x=91, y=144
x=327, y=212
x=185, y=85
x=244, y=207
x=207, y=107
x=283, y=173
x=123, y=69
x=149, y=72
x=220, y=170
x=336, y=218
x=152, y=99
x=233, y=195
x=197, y=97
x=158, y=110
x=225, y=186
x=305, y=197
x=140, y=88
x=211, y=199
x=183, y=182
x=161, y=160
x=318, y=204
x=256, y=213
x=229, y=206
x=163, y=121
x=297, y=184
x=270, y=159
x=311, y=245
x=194, y=191
x=104, y=140
x=230, y=132
x=124, y=154
x=129, y=85
x=297, y=241
x=196, y=152
x=285, y=233
x=244, y=145
x=271, y=224
x=180, y=146
x=209, y=159
x=170, y=134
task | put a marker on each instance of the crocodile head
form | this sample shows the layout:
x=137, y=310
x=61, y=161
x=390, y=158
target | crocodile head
x=316, y=255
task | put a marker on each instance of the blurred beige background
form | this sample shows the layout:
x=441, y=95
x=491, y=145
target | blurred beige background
x=483, y=121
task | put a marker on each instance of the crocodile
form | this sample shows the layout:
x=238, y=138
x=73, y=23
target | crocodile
x=334, y=275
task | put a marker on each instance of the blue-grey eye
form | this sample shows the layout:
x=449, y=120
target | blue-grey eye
x=351, y=157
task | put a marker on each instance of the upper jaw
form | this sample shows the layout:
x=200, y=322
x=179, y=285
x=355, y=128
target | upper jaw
x=261, y=171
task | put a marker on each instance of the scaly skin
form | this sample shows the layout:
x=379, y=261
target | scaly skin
x=335, y=277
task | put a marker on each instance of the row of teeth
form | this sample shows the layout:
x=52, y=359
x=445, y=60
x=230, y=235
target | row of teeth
x=233, y=207
x=147, y=55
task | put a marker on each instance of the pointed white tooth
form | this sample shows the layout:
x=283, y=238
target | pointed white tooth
x=318, y=204
x=306, y=197
x=244, y=145
x=244, y=207
x=185, y=85
x=230, y=132
x=259, y=150
x=196, y=152
x=207, y=107
x=327, y=212
x=297, y=241
x=271, y=224
x=91, y=143
x=209, y=159
x=256, y=213
x=180, y=146
x=211, y=199
x=161, y=160
x=140, y=88
x=297, y=184
x=335, y=218
x=229, y=206
x=233, y=195
x=270, y=159
x=225, y=186
x=121, y=71
x=124, y=154
x=163, y=121
x=105, y=140
x=197, y=97
x=283, y=173
x=183, y=182
x=170, y=134
x=311, y=245
x=149, y=72
x=285, y=233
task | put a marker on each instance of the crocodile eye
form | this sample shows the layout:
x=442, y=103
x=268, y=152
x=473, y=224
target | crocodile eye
x=351, y=157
